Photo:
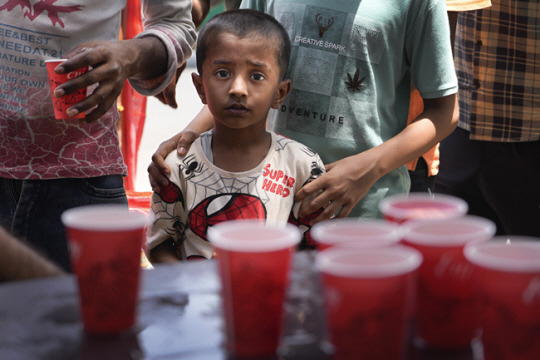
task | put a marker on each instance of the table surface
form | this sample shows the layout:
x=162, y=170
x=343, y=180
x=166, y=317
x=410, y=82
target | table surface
x=179, y=318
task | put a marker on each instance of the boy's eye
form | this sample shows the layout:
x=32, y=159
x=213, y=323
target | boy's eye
x=222, y=74
x=257, y=77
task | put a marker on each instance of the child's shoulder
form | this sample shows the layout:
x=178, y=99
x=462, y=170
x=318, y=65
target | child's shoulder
x=289, y=145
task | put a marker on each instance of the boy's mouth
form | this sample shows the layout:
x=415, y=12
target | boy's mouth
x=237, y=107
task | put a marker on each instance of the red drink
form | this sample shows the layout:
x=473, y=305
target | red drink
x=367, y=293
x=254, y=262
x=445, y=285
x=507, y=290
x=105, y=247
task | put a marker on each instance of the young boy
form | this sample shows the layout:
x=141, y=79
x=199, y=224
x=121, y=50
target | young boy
x=238, y=170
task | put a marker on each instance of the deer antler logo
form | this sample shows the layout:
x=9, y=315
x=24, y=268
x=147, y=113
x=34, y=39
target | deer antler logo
x=32, y=12
x=323, y=27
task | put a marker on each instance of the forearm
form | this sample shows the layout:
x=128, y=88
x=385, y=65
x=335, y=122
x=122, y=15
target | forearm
x=199, y=11
x=171, y=23
x=202, y=122
x=438, y=120
x=21, y=262
x=148, y=58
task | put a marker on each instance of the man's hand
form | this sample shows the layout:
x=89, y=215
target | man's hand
x=158, y=169
x=168, y=95
x=111, y=63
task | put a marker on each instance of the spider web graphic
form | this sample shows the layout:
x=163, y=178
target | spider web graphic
x=206, y=183
x=227, y=185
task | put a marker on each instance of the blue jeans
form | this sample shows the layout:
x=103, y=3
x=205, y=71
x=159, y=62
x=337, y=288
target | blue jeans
x=31, y=209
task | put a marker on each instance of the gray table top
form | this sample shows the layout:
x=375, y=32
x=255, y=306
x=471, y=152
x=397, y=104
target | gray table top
x=179, y=318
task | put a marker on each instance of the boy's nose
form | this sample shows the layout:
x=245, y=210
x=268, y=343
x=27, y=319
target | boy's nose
x=238, y=87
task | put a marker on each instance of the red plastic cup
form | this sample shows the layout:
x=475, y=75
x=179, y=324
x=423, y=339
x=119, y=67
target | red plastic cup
x=507, y=290
x=254, y=262
x=355, y=232
x=105, y=247
x=400, y=208
x=63, y=103
x=366, y=294
x=444, y=314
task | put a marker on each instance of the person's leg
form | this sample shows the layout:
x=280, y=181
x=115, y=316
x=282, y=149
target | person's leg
x=42, y=202
x=510, y=182
x=420, y=181
x=9, y=194
x=460, y=162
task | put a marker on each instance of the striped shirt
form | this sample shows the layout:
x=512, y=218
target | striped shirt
x=497, y=53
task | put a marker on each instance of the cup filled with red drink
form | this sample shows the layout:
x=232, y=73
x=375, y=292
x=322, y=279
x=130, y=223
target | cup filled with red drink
x=105, y=249
x=445, y=311
x=367, y=292
x=507, y=294
x=254, y=261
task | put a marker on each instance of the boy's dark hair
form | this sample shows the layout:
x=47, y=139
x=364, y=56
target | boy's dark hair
x=243, y=23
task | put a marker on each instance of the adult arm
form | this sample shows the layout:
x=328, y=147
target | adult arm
x=349, y=179
x=149, y=61
x=18, y=261
x=158, y=169
x=199, y=12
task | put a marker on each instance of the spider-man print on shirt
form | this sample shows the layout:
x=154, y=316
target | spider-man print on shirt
x=207, y=195
x=224, y=207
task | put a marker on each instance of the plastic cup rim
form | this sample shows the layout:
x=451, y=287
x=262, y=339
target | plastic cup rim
x=291, y=236
x=486, y=230
x=385, y=206
x=411, y=261
x=474, y=253
x=102, y=220
x=55, y=60
x=321, y=232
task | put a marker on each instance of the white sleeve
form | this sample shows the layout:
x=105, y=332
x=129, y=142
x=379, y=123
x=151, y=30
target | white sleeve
x=171, y=22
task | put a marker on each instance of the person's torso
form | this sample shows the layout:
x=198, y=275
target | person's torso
x=33, y=145
x=211, y=195
x=350, y=74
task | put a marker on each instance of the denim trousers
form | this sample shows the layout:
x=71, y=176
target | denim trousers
x=31, y=209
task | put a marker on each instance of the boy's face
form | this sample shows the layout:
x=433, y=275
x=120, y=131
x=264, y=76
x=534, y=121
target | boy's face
x=240, y=80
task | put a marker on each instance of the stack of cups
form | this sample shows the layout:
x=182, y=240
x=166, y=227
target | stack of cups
x=368, y=286
x=507, y=293
x=254, y=263
x=444, y=313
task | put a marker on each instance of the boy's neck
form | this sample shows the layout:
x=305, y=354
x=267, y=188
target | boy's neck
x=239, y=150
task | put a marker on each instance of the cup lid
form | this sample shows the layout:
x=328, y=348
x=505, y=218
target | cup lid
x=253, y=236
x=361, y=232
x=111, y=217
x=448, y=232
x=519, y=254
x=368, y=262
x=423, y=205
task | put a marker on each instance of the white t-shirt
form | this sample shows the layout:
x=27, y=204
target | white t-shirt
x=201, y=195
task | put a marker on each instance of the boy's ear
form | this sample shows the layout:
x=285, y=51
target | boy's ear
x=283, y=89
x=197, y=81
